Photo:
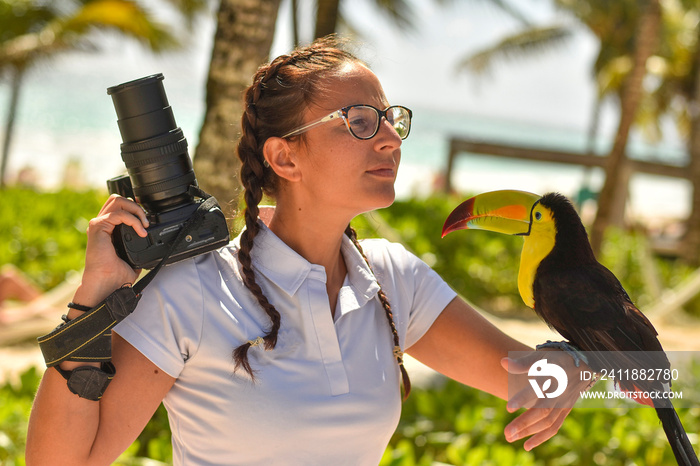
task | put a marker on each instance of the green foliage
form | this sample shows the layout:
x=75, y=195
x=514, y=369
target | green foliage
x=627, y=255
x=453, y=424
x=44, y=233
x=154, y=442
x=15, y=404
x=481, y=266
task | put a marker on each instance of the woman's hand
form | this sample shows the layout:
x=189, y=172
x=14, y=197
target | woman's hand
x=543, y=416
x=104, y=270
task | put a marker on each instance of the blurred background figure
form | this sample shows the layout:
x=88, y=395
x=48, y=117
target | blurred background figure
x=14, y=285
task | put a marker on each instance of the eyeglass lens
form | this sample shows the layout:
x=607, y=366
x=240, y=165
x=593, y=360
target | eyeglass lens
x=364, y=121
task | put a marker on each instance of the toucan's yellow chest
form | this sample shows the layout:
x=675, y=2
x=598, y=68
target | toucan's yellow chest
x=538, y=244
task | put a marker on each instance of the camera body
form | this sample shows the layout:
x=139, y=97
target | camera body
x=160, y=178
x=139, y=252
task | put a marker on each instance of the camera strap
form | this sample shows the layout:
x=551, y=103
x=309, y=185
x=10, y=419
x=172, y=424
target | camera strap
x=87, y=338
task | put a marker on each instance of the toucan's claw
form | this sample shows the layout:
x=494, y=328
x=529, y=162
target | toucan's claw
x=573, y=351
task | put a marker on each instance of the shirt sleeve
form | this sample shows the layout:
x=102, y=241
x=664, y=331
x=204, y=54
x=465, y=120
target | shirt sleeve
x=167, y=323
x=416, y=292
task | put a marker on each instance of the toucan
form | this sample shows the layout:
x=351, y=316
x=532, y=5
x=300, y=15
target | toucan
x=575, y=295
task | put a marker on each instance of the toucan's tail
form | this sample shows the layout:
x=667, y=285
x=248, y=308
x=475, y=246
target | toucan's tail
x=681, y=446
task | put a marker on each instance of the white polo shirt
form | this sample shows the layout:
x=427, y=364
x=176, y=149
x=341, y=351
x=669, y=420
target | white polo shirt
x=327, y=394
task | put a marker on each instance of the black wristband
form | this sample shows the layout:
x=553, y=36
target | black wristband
x=78, y=307
x=88, y=338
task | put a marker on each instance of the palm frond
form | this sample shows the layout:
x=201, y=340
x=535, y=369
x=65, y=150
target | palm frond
x=400, y=12
x=71, y=32
x=19, y=17
x=125, y=16
x=611, y=77
x=190, y=8
x=505, y=7
x=528, y=43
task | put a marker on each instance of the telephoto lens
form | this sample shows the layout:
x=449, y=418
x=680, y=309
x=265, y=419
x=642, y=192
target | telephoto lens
x=154, y=149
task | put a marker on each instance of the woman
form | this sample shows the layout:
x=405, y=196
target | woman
x=317, y=322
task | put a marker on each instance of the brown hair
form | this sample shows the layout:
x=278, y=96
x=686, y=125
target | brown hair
x=272, y=108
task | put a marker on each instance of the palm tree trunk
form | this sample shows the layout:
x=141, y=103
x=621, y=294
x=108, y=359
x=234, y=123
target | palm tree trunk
x=295, y=23
x=692, y=236
x=614, y=189
x=326, y=17
x=18, y=73
x=242, y=43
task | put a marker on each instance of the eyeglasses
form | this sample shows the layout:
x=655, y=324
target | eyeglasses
x=363, y=120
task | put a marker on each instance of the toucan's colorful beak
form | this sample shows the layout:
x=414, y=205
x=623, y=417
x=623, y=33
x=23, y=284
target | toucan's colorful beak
x=504, y=211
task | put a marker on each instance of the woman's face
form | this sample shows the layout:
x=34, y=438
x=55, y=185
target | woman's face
x=349, y=174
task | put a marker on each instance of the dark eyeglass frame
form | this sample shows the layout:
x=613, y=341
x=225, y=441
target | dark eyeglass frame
x=343, y=113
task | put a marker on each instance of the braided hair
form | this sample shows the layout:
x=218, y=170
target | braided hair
x=272, y=102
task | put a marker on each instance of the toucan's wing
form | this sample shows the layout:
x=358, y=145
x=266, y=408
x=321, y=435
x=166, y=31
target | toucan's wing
x=591, y=309
x=589, y=306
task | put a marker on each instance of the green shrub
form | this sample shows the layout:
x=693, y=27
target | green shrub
x=15, y=404
x=43, y=233
x=481, y=266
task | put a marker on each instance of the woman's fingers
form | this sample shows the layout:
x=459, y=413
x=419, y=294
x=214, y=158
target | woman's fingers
x=546, y=433
x=535, y=421
x=544, y=415
x=119, y=210
x=108, y=221
x=102, y=264
x=540, y=424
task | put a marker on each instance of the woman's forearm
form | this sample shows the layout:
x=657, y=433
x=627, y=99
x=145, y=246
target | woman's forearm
x=62, y=426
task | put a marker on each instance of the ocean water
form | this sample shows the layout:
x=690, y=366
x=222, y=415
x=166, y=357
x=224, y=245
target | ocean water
x=66, y=119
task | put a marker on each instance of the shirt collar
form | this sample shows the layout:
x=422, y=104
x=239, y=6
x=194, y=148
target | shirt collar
x=288, y=270
x=360, y=276
x=278, y=262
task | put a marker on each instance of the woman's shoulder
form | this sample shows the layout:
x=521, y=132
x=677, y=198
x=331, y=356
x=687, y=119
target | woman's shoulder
x=200, y=265
x=382, y=246
x=380, y=251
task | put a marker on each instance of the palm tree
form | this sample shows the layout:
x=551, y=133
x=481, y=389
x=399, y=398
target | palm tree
x=677, y=94
x=36, y=30
x=645, y=43
x=692, y=236
x=242, y=42
x=326, y=17
x=329, y=15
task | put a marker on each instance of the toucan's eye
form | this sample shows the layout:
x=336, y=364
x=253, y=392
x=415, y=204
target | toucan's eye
x=538, y=215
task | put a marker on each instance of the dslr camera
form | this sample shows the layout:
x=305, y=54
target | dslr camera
x=160, y=178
